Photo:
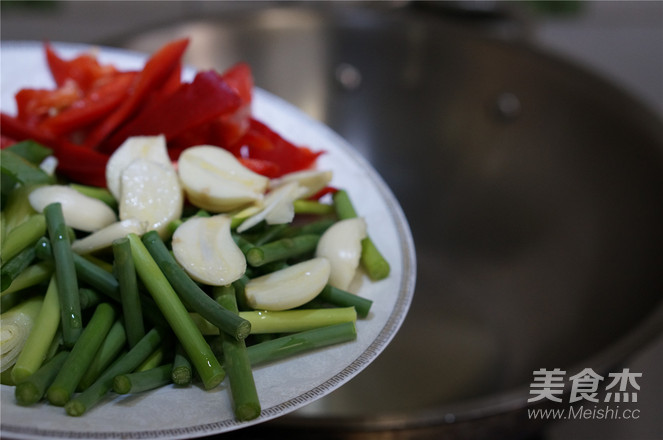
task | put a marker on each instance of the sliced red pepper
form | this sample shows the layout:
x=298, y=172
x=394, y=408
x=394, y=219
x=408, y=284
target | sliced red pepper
x=173, y=82
x=74, y=161
x=6, y=141
x=96, y=104
x=34, y=105
x=204, y=99
x=81, y=164
x=240, y=78
x=85, y=70
x=323, y=192
x=261, y=142
x=232, y=127
x=262, y=167
x=155, y=73
x=227, y=129
x=16, y=129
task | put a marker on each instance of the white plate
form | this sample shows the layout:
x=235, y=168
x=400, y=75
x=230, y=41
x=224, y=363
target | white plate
x=283, y=387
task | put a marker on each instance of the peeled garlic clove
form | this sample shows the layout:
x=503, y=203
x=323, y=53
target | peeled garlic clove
x=312, y=180
x=290, y=287
x=152, y=148
x=80, y=212
x=341, y=245
x=150, y=193
x=207, y=252
x=104, y=238
x=215, y=180
x=277, y=207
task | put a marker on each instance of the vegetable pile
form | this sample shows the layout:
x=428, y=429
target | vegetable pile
x=95, y=107
x=154, y=233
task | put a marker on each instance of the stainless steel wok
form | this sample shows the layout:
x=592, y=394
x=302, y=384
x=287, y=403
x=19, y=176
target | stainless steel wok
x=534, y=191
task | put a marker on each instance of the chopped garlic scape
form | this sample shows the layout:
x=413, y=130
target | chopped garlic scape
x=104, y=238
x=207, y=252
x=215, y=180
x=277, y=207
x=312, y=180
x=152, y=148
x=290, y=287
x=150, y=193
x=341, y=245
x=80, y=211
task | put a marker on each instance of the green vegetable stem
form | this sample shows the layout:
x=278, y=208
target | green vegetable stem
x=99, y=278
x=13, y=268
x=143, y=380
x=110, y=349
x=22, y=170
x=199, y=351
x=63, y=256
x=89, y=298
x=33, y=388
x=22, y=236
x=84, y=401
x=40, y=338
x=342, y=298
x=181, y=373
x=285, y=321
x=81, y=355
x=86, y=270
x=128, y=283
x=285, y=346
x=246, y=403
x=31, y=276
x=282, y=249
x=312, y=207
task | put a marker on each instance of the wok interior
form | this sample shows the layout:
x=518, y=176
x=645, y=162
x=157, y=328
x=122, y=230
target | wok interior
x=533, y=191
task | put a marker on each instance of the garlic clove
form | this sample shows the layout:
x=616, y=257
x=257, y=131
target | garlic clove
x=206, y=250
x=277, y=207
x=103, y=238
x=311, y=180
x=152, y=148
x=341, y=245
x=151, y=193
x=80, y=212
x=215, y=180
x=290, y=287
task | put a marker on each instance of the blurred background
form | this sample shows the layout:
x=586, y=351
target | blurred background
x=619, y=39
x=620, y=42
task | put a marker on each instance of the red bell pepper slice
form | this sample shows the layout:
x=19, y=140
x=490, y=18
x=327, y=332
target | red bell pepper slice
x=263, y=143
x=6, y=141
x=262, y=167
x=155, y=73
x=96, y=104
x=227, y=129
x=74, y=161
x=194, y=104
x=34, y=105
x=323, y=192
x=232, y=127
x=85, y=70
x=240, y=78
x=173, y=82
x=18, y=130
